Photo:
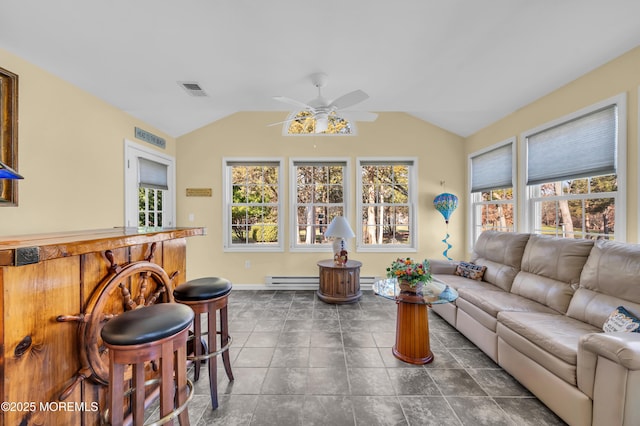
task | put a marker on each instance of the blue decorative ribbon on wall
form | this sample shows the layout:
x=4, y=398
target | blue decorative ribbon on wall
x=446, y=204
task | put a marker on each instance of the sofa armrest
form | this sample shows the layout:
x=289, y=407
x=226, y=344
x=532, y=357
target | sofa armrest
x=608, y=371
x=622, y=348
x=443, y=266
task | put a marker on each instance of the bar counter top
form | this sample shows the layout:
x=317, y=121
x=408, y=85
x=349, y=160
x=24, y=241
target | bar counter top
x=26, y=249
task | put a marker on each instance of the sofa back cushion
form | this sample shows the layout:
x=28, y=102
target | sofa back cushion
x=501, y=253
x=550, y=270
x=610, y=278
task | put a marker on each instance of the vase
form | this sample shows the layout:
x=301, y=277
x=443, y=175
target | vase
x=405, y=286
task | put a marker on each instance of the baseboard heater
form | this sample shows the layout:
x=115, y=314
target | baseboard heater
x=290, y=282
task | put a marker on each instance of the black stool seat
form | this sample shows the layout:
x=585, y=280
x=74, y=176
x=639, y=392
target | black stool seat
x=202, y=289
x=147, y=324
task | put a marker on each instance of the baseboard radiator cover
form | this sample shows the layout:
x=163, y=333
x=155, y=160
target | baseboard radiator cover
x=301, y=282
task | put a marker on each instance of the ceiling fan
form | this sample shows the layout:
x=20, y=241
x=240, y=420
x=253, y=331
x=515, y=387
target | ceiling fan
x=320, y=108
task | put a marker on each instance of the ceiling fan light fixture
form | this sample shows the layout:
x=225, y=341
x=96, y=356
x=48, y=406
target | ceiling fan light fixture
x=322, y=122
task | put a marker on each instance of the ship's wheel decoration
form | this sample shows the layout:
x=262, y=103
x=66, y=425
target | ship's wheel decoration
x=132, y=286
x=446, y=204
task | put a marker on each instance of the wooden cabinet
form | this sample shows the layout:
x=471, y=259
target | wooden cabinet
x=339, y=284
x=47, y=283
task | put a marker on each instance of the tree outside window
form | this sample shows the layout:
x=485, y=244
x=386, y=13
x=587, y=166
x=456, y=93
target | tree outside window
x=578, y=208
x=254, y=204
x=319, y=197
x=386, y=199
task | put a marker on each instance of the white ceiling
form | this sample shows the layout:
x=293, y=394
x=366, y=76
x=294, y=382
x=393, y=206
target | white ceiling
x=459, y=64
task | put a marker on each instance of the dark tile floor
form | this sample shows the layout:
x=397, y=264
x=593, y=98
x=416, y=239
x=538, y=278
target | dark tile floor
x=300, y=361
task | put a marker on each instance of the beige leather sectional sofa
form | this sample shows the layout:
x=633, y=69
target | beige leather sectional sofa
x=539, y=311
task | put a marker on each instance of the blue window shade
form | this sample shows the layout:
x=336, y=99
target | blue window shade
x=151, y=174
x=492, y=169
x=582, y=147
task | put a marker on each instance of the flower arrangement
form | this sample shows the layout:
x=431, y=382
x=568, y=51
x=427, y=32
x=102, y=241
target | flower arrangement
x=409, y=271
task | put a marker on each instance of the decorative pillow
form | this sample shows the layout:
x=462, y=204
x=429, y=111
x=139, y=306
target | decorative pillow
x=470, y=270
x=621, y=320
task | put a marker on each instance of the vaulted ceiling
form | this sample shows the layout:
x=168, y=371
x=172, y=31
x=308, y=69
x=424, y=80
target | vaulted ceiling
x=459, y=64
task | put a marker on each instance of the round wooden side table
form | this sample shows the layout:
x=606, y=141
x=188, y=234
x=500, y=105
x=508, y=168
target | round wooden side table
x=339, y=284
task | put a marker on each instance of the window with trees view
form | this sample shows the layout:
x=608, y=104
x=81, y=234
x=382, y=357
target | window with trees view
x=386, y=199
x=319, y=194
x=577, y=208
x=149, y=207
x=253, y=205
x=574, y=168
x=304, y=123
x=492, y=198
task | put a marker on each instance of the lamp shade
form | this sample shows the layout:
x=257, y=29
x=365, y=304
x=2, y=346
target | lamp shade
x=7, y=172
x=339, y=227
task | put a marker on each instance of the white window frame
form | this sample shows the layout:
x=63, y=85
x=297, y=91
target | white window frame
x=227, y=196
x=528, y=208
x=293, y=203
x=133, y=151
x=412, y=202
x=475, y=201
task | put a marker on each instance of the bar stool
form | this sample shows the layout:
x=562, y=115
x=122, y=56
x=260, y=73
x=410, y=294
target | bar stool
x=206, y=296
x=157, y=332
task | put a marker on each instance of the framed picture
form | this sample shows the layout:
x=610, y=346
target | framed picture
x=8, y=134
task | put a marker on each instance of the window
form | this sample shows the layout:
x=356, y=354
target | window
x=574, y=167
x=304, y=123
x=149, y=187
x=152, y=183
x=492, y=199
x=252, y=213
x=318, y=195
x=386, y=205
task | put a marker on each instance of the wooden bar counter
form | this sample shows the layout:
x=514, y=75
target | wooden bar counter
x=58, y=289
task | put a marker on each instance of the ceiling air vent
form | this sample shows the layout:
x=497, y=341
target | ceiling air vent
x=192, y=88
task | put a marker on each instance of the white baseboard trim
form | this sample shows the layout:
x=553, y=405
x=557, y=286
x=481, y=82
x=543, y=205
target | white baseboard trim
x=284, y=287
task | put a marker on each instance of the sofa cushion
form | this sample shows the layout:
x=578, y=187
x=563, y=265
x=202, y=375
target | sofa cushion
x=501, y=253
x=613, y=268
x=493, y=302
x=549, y=339
x=550, y=270
x=621, y=320
x=470, y=270
x=557, y=258
x=610, y=278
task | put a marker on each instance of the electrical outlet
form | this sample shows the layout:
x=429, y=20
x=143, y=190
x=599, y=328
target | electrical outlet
x=247, y=264
x=192, y=217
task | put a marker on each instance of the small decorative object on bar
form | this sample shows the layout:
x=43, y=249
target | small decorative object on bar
x=7, y=172
x=339, y=229
x=446, y=204
x=410, y=275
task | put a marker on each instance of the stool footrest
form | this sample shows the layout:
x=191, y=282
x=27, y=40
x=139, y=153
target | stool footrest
x=172, y=415
x=210, y=354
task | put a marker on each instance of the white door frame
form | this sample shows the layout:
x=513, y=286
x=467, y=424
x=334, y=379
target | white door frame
x=133, y=151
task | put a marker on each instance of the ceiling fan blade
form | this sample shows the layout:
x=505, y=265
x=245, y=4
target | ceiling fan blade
x=358, y=115
x=289, y=120
x=351, y=98
x=293, y=102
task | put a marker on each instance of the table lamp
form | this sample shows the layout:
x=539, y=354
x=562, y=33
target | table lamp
x=339, y=229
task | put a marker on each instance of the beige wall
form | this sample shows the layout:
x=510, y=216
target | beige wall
x=618, y=76
x=440, y=157
x=70, y=153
